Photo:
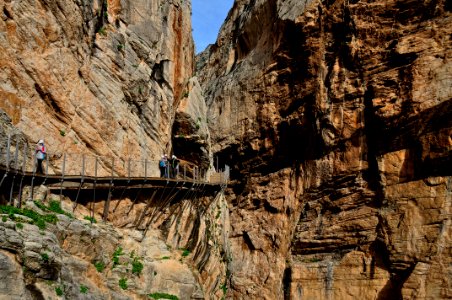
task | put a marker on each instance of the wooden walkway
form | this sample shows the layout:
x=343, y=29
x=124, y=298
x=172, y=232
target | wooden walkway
x=92, y=189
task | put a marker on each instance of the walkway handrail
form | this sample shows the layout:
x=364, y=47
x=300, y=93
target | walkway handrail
x=84, y=165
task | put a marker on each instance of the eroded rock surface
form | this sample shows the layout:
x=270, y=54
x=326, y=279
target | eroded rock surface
x=336, y=118
x=183, y=252
x=98, y=77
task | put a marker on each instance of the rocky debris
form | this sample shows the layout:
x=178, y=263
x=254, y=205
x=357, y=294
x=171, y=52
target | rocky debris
x=78, y=259
x=337, y=118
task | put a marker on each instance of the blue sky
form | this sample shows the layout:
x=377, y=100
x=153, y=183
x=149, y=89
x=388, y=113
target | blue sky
x=207, y=18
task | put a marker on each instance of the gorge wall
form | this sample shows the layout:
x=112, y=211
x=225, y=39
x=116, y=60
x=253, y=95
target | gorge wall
x=106, y=79
x=98, y=77
x=336, y=117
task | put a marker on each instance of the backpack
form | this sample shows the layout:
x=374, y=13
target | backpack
x=162, y=163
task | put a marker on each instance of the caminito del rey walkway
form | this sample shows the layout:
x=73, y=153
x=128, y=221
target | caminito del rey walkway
x=90, y=178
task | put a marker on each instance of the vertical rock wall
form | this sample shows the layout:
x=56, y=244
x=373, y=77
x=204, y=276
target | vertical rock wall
x=336, y=119
x=99, y=77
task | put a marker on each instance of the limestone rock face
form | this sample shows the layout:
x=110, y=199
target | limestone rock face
x=191, y=136
x=181, y=253
x=336, y=120
x=99, y=77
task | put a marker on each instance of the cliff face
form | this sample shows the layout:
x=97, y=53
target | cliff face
x=106, y=78
x=64, y=255
x=98, y=77
x=336, y=118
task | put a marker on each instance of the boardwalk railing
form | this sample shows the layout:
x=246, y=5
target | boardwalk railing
x=18, y=157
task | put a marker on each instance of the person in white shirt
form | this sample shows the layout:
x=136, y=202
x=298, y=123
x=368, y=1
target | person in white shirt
x=40, y=153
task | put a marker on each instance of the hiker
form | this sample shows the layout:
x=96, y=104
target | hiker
x=162, y=166
x=174, y=166
x=40, y=153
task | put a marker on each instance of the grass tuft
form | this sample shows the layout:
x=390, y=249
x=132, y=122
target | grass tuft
x=123, y=283
x=37, y=219
x=137, y=266
x=100, y=266
x=163, y=296
x=118, y=252
x=83, y=289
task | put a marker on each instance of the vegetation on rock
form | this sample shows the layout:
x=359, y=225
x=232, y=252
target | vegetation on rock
x=118, y=252
x=123, y=283
x=163, y=296
x=36, y=218
x=100, y=266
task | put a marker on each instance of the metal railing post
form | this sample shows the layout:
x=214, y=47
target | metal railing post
x=34, y=174
x=81, y=183
x=46, y=175
x=145, y=169
x=7, y=159
x=94, y=191
x=8, y=149
x=16, y=168
x=24, y=165
x=128, y=163
x=16, y=155
x=62, y=176
x=83, y=166
x=107, y=205
x=19, y=204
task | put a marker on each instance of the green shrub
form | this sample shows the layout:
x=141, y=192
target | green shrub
x=120, y=47
x=116, y=255
x=224, y=288
x=100, y=266
x=4, y=218
x=163, y=296
x=62, y=132
x=41, y=206
x=44, y=257
x=55, y=206
x=91, y=219
x=137, y=266
x=83, y=289
x=41, y=224
x=185, y=253
x=102, y=31
x=123, y=283
x=37, y=219
x=165, y=257
x=59, y=291
x=19, y=225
